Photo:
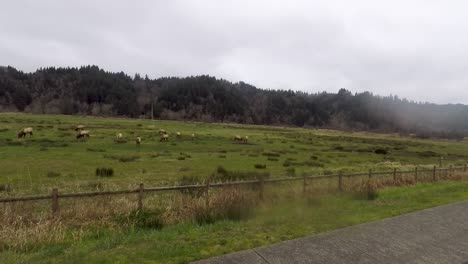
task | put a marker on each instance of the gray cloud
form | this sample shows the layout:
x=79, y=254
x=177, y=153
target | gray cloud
x=415, y=49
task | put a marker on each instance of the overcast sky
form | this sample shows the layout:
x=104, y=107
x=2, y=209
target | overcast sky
x=414, y=49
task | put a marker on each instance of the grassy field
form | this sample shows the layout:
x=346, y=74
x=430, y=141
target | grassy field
x=283, y=220
x=54, y=158
x=178, y=227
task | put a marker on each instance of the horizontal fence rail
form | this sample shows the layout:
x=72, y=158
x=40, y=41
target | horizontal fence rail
x=435, y=174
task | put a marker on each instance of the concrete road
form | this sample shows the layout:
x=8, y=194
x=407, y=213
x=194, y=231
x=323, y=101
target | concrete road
x=435, y=235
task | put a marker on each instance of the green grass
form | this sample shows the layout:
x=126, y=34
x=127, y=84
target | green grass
x=287, y=219
x=26, y=163
x=54, y=158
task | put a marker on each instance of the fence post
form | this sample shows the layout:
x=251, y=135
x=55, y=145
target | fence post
x=262, y=187
x=394, y=175
x=304, y=186
x=434, y=173
x=416, y=175
x=340, y=182
x=140, y=196
x=55, y=202
x=207, y=192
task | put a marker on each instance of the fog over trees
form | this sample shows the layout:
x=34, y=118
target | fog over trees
x=89, y=90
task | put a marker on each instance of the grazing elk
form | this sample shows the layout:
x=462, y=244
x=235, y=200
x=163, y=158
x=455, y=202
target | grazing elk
x=83, y=134
x=241, y=139
x=164, y=137
x=23, y=132
x=138, y=140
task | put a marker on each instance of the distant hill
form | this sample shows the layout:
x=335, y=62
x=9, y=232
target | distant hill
x=92, y=91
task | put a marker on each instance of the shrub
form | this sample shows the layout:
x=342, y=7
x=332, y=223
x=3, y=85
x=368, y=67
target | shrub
x=381, y=151
x=372, y=193
x=47, y=143
x=181, y=158
x=54, y=144
x=429, y=154
x=231, y=204
x=123, y=158
x=272, y=159
x=128, y=158
x=5, y=187
x=146, y=219
x=291, y=172
x=222, y=156
x=53, y=174
x=367, y=191
x=190, y=180
x=221, y=170
x=95, y=150
x=271, y=154
x=260, y=166
x=221, y=174
x=340, y=148
x=104, y=172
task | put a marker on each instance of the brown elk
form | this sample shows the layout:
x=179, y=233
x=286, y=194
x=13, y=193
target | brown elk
x=25, y=131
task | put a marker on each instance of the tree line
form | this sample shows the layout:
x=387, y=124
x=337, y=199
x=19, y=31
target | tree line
x=89, y=90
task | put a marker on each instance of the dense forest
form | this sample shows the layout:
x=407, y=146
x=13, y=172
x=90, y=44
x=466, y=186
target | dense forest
x=89, y=90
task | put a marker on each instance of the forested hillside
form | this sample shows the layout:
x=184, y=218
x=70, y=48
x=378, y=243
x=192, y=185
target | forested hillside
x=90, y=90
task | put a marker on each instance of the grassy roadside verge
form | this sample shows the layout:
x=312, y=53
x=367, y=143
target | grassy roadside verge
x=279, y=221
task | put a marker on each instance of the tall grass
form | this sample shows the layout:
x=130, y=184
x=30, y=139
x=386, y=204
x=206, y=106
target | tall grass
x=24, y=226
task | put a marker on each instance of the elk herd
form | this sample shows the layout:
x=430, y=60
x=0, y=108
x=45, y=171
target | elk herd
x=82, y=133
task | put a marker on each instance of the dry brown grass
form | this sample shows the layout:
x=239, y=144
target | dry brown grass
x=232, y=203
x=27, y=224
x=24, y=225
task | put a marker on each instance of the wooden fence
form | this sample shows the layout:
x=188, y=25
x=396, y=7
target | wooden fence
x=416, y=174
